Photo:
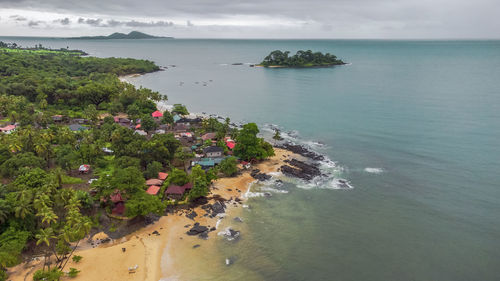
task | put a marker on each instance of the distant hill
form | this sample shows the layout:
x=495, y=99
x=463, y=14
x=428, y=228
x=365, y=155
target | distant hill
x=118, y=35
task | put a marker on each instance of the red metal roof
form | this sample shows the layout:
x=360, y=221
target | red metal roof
x=153, y=190
x=157, y=114
x=175, y=189
x=8, y=128
x=138, y=126
x=162, y=176
x=231, y=144
x=154, y=182
x=188, y=185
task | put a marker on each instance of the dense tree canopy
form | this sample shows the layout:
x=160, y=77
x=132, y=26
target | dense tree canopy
x=300, y=59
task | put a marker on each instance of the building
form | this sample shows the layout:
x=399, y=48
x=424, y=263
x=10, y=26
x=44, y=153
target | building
x=57, y=118
x=176, y=191
x=76, y=127
x=208, y=136
x=162, y=176
x=154, y=182
x=153, y=190
x=84, y=169
x=157, y=114
x=8, y=129
x=213, y=152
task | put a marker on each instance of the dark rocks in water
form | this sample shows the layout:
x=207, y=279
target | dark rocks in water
x=300, y=169
x=238, y=63
x=197, y=229
x=192, y=215
x=238, y=219
x=218, y=208
x=267, y=194
x=256, y=174
x=156, y=233
x=301, y=150
x=196, y=246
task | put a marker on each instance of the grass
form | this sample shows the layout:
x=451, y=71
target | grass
x=71, y=180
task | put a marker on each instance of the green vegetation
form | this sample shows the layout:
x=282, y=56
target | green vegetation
x=249, y=146
x=300, y=59
x=47, y=205
x=73, y=272
x=77, y=258
x=228, y=166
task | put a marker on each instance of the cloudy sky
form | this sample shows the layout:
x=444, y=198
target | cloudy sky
x=254, y=18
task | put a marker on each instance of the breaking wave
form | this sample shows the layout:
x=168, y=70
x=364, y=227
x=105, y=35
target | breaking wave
x=374, y=170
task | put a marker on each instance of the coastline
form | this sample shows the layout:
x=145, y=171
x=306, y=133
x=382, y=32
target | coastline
x=169, y=254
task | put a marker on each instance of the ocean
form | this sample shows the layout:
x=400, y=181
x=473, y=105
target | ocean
x=414, y=126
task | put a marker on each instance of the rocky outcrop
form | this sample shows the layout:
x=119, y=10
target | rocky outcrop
x=301, y=150
x=256, y=174
x=300, y=169
x=197, y=229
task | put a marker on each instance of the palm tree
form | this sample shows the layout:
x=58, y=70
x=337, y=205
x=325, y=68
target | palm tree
x=22, y=209
x=4, y=211
x=48, y=215
x=44, y=236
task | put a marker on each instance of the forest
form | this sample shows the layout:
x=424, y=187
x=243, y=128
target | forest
x=300, y=59
x=61, y=112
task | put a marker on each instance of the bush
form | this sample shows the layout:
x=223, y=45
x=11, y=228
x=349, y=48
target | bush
x=153, y=169
x=52, y=275
x=73, y=272
x=228, y=166
x=77, y=258
x=3, y=275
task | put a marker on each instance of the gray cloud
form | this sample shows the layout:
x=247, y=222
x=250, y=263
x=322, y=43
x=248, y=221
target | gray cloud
x=33, y=23
x=114, y=23
x=372, y=18
x=64, y=21
x=18, y=18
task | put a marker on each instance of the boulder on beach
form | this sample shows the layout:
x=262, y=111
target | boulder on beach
x=197, y=229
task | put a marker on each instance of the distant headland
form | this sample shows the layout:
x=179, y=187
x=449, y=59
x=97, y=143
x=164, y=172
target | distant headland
x=118, y=35
x=300, y=59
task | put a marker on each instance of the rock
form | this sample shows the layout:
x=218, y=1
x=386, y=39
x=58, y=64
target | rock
x=267, y=194
x=196, y=246
x=218, y=208
x=106, y=240
x=156, y=233
x=301, y=169
x=203, y=235
x=197, y=229
x=256, y=174
x=301, y=150
x=187, y=225
x=230, y=234
x=192, y=215
x=124, y=249
x=238, y=219
x=213, y=228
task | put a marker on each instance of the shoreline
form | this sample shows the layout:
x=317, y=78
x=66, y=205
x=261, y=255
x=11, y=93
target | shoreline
x=153, y=247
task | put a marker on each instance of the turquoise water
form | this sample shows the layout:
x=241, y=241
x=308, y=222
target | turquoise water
x=424, y=115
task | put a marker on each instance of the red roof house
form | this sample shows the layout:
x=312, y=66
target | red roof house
x=157, y=114
x=208, y=136
x=153, y=190
x=154, y=182
x=119, y=209
x=188, y=186
x=138, y=126
x=175, y=190
x=162, y=176
x=231, y=144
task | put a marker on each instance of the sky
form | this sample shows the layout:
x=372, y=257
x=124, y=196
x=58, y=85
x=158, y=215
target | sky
x=370, y=19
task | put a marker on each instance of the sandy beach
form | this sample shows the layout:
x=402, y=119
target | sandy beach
x=168, y=254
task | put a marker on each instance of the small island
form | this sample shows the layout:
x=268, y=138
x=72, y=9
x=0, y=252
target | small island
x=300, y=59
x=118, y=35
